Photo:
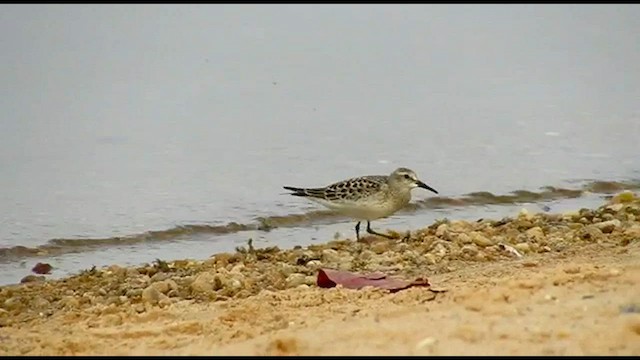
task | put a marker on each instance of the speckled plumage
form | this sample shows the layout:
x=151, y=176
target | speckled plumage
x=366, y=197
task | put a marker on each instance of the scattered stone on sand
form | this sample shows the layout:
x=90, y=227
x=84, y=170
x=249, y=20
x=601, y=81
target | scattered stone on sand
x=439, y=248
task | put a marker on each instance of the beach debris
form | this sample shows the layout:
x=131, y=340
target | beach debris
x=328, y=278
x=510, y=249
x=42, y=268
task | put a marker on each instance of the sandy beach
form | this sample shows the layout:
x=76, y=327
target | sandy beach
x=530, y=284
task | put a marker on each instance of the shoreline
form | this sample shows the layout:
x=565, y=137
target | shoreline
x=68, y=245
x=266, y=301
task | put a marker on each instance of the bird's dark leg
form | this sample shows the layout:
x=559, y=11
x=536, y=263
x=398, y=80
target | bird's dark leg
x=358, y=231
x=376, y=233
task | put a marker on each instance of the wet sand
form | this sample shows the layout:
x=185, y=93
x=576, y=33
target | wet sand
x=531, y=284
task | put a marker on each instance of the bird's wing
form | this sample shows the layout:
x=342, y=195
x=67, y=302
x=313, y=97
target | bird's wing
x=355, y=188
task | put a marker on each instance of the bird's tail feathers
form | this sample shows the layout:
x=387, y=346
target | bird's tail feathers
x=305, y=192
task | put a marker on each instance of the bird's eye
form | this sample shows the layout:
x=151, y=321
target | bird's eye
x=406, y=176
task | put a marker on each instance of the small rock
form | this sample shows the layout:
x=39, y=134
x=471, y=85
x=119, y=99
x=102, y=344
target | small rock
x=459, y=226
x=535, y=234
x=131, y=272
x=524, y=213
x=572, y=270
x=32, y=278
x=441, y=230
x=615, y=207
x=607, y=216
x=181, y=264
x=165, y=286
x=205, y=283
x=480, y=239
x=117, y=270
x=608, y=226
x=426, y=343
x=112, y=320
x=314, y=264
x=134, y=293
x=527, y=284
x=233, y=284
x=439, y=250
x=139, y=308
x=380, y=247
x=623, y=197
x=287, y=269
x=237, y=269
x=42, y=268
x=633, y=231
x=102, y=291
x=151, y=295
x=12, y=303
x=165, y=302
x=590, y=233
x=366, y=254
x=430, y=258
x=523, y=247
x=294, y=280
x=463, y=238
x=571, y=214
x=330, y=256
x=481, y=256
x=470, y=250
x=161, y=276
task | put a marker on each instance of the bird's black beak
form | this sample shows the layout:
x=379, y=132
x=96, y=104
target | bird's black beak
x=425, y=186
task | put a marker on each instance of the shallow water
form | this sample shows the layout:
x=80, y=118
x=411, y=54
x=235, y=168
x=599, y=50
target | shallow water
x=126, y=120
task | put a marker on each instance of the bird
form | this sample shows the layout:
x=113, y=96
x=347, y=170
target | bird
x=366, y=198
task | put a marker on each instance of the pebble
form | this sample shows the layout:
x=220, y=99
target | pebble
x=70, y=302
x=330, y=256
x=295, y=280
x=463, y=238
x=165, y=286
x=535, y=234
x=470, y=250
x=12, y=303
x=608, y=226
x=480, y=239
x=32, y=278
x=427, y=343
x=151, y=295
x=205, y=283
x=523, y=247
